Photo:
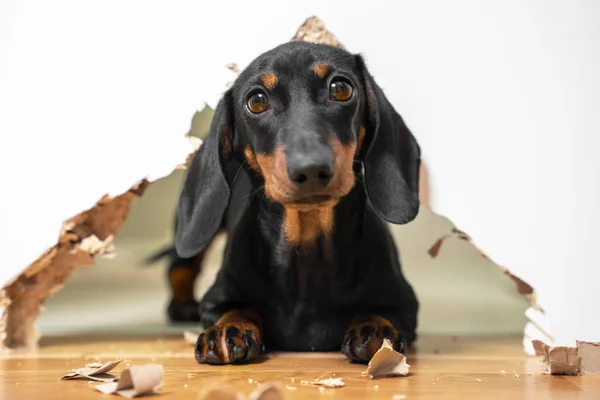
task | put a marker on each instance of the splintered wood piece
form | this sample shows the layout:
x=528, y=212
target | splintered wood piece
x=136, y=381
x=95, y=372
x=387, y=362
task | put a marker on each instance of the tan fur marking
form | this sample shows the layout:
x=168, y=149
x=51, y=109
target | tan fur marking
x=304, y=227
x=278, y=186
x=303, y=224
x=251, y=158
x=360, y=139
x=270, y=80
x=242, y=320
x=343, y=179
x=182, y=279
x=321, y=70
x=224, y=349
x=241, y=317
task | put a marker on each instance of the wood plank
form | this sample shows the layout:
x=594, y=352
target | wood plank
x=444, y=367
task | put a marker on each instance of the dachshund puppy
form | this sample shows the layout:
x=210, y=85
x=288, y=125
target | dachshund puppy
x=310, y=264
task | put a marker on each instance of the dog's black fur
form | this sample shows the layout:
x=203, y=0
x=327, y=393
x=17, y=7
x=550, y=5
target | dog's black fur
x=342, y=287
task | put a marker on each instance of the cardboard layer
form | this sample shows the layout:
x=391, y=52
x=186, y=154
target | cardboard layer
x=136, y=381
x=589, y=355
x=559, y=360
x=387, y=362
x=95, y=372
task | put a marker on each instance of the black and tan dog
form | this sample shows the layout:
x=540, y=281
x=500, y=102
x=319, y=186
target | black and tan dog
x=310, y=264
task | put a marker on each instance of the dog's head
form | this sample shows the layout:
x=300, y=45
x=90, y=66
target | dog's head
x=305, y=118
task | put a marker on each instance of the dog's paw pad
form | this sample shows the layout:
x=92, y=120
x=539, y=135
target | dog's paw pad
x=228, y=344
x=362, y=341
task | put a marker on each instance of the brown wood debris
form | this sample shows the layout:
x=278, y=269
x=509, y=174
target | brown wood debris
x=313, y=30
x=82, y=237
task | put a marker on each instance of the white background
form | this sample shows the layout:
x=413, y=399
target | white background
x=502, y=96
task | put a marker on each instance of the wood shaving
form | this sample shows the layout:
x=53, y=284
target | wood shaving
x=387, y=362
x=233, y=67
x=94, y=371
x=330, y=382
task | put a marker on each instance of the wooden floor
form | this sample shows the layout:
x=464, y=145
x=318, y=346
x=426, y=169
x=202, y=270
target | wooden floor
x=443, y=368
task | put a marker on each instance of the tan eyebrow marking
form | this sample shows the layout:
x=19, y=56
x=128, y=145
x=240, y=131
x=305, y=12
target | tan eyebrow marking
x=321, y=70
x=270, y=80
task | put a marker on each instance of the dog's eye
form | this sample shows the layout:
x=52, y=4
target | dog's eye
x=340, y=90
x=257, y=102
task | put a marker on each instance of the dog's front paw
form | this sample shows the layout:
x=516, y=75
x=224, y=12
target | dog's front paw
x=365, y=337
x=229, y=343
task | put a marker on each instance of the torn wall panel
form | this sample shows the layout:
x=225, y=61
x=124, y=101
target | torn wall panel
x=537, y=328
x=82, y=237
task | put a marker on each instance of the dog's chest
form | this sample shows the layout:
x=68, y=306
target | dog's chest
x=312, y=302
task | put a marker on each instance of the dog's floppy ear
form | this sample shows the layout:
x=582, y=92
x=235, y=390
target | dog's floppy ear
x=392, y=159
x=205, y=194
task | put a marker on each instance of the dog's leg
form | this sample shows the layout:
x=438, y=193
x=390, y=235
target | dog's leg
x=182, y=275
x=365, y=336
x=234, y=339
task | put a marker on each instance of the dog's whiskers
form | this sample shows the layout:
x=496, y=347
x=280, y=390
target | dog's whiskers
x=238, y=171
x=254, y=193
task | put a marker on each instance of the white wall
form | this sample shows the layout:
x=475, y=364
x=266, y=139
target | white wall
x=503, y=97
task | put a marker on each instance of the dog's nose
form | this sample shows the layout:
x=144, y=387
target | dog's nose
x=311, y=174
